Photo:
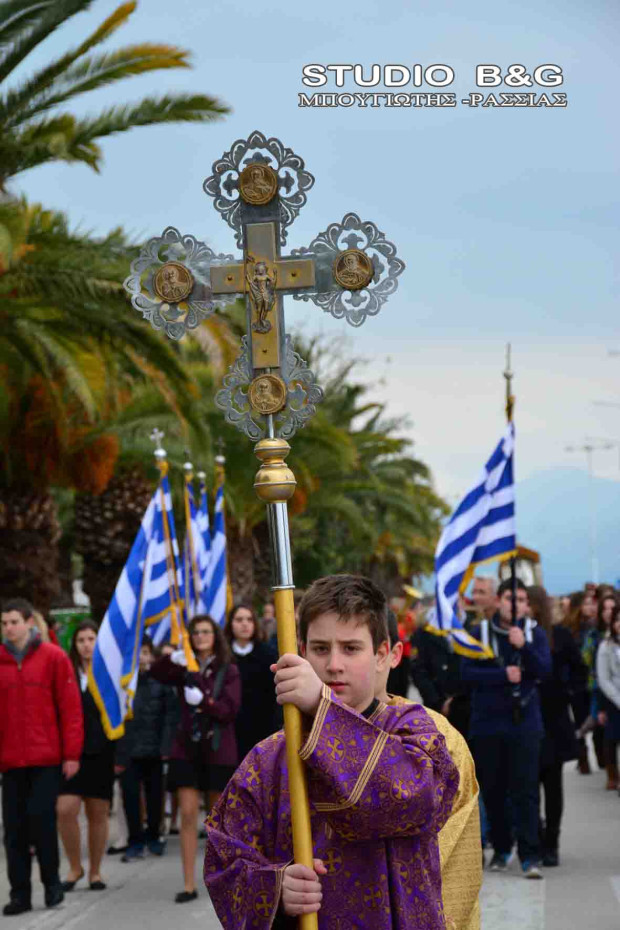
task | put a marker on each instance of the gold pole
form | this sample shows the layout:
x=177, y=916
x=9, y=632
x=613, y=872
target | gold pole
x=275, y=485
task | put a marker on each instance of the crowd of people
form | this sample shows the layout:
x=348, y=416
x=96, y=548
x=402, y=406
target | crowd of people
x=549, y=678
x=554, y=677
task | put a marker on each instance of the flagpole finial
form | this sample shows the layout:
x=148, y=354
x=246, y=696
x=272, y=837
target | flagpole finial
x=201, y=475
x=160, y=453
x=188, y=468
x=509, y=375
x=220, y=458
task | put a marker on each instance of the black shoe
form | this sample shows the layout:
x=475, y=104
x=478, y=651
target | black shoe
x=98, y=886
x=184, y=896
x=499, y=862
x=54, y=895
x=15, y=907
x=116, y=850
x=69, y=885
x=551, y=858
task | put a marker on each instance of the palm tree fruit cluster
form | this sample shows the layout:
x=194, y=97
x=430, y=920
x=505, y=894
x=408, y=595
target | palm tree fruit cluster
x=105, y=527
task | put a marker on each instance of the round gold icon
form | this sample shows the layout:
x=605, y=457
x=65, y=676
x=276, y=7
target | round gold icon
x=173, y=282
x=258, y=184
x=353, y=269
x=267, y=394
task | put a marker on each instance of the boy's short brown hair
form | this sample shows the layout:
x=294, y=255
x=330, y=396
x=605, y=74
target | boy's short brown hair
x=348, y=596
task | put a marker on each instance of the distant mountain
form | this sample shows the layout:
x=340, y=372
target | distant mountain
x=553, y=516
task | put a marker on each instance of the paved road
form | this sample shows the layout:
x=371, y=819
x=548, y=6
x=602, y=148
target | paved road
x=584, y=892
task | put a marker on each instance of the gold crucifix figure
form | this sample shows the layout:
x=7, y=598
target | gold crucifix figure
x=263, y=275
x=262, y=291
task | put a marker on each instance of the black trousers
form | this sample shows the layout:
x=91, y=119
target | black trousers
x=553, y=789
x=598, y=739
x=29, y=817
x=508, y=767
x=147, y=772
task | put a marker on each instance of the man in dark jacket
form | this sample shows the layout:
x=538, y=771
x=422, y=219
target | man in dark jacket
x=506, y=727
x=41, y=729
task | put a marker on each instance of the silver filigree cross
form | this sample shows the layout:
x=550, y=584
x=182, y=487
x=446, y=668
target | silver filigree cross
x=349, y=270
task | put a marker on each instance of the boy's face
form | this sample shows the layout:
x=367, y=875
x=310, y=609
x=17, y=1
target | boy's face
x=341, y=653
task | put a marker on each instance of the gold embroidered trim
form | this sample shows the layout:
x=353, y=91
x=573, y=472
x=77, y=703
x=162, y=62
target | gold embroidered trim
x=319, y=719
x=278, y=891
x=377, y=712
x=363, y=779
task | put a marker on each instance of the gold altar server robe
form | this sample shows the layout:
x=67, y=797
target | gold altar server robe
x=460, y=847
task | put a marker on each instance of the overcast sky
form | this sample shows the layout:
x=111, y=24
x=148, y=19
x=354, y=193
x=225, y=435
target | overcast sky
x=507, y=219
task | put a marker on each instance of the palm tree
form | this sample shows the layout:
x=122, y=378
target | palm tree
x=71, y=354
x=35, y=128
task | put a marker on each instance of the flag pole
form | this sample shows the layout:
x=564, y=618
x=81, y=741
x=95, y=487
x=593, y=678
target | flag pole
x=192, y=570
x=510, y=404
x=220, y=474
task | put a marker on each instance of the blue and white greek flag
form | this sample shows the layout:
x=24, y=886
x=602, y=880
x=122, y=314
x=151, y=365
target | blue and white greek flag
x=203, y=545
x=217, y=576
x=162, y=608
x=481, y=529
x=115, y=659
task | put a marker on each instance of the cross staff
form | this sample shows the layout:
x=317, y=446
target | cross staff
x=349, y=270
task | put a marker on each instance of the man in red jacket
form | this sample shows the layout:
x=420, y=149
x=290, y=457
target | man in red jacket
x=41, y=729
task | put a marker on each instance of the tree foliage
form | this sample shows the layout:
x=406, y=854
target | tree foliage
x=35, y=125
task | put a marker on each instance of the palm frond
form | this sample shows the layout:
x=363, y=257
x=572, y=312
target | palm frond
x=148, y=112
x=64, y=138
x=58, y=84
x=55, y=13
x=73, y=374
x=18, y=15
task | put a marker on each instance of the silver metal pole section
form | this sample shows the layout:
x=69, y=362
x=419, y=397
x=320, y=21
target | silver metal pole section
x=279, y=535
x=277, y=518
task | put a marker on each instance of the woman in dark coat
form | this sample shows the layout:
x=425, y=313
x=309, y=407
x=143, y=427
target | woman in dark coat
x=95, y=779
x=560, y=743
x=259, y=716
x=204, y=752
x=581, y=620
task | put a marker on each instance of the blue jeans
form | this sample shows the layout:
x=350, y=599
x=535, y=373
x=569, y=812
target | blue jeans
x=508, y=770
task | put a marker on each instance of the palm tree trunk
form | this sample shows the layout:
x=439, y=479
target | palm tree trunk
x=240, y=564
x=29, y=534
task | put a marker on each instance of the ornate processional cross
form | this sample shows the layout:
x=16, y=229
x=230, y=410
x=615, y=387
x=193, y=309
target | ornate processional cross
x=349, y=270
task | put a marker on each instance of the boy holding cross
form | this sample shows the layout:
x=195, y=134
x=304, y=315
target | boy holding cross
x=380, y=780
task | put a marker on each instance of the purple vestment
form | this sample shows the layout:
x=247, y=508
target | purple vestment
x=380, y=790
